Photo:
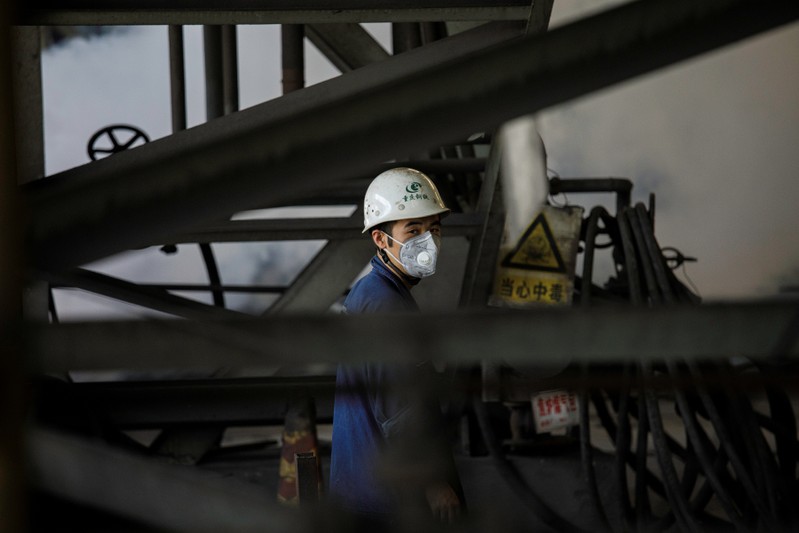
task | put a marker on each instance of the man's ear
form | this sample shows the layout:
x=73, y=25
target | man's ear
x=379, y=238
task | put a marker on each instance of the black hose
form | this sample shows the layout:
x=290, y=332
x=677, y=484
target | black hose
x=587, y=459
x=726, y=441
x=702, y=453
x=622, y=439
x=655, y=255
x=610, y=427
x=649, y=274
x=630, y=262
x=643, y=507
x=674, y=494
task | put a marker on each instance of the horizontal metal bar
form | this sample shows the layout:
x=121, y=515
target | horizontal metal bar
x=759, y=331
x=296, y=229
x=199, y=287
x=245, y=401
x=270, y=152
x=85, y=12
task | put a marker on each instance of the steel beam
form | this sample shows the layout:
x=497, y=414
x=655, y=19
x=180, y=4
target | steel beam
x=347, y=46
x=298, y=229
x=479, y=274
x=230, y=164
x=148, y=297
x=12, y=354
x=229, y=402
x=177, y=78
x=544, y=337
x=270, y=152
x=326, y=278
x=152, y=492
x=26, y=73
x=130, y=12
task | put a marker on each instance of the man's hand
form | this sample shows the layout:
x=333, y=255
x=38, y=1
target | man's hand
x=444, y=503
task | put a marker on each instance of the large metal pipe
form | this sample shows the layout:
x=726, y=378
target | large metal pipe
x=274, y=150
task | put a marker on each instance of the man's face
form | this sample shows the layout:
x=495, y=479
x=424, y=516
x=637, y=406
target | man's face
x=404, y=230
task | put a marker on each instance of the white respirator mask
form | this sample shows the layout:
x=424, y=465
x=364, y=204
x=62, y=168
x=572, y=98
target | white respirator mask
x=418, y=255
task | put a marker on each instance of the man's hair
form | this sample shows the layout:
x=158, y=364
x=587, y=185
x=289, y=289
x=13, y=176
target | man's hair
x=385, y=227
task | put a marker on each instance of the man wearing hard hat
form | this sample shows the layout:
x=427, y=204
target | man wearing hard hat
x=389, y=454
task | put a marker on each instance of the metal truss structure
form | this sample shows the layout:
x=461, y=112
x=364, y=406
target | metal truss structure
x=319, y=146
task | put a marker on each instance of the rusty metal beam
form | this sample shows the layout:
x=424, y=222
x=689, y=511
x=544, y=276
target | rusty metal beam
x=270, y=152
x=129, y=12
x=765, y=330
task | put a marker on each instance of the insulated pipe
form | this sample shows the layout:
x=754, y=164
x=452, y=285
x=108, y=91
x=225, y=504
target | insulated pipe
x=525, y=186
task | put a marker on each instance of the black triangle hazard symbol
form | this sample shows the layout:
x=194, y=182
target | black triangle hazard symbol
x=536, y=249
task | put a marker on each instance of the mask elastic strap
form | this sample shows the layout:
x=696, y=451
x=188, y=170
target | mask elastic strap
x=410, y=280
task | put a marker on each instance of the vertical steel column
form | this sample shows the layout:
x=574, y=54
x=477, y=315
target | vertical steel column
x=28, y=133
x=12, y=488
x=177, y=85
x=293, y=56
x=214, y=85
x=26, y=73
x=230, y=68
x=214, y=108
x=405, y=36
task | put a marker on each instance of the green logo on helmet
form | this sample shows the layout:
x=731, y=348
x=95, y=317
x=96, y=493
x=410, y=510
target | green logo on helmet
x=413, y=187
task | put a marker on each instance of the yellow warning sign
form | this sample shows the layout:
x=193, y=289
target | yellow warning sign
x=536, y=250
x=524, y=288
x=538, y=269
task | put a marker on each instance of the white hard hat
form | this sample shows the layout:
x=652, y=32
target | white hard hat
x=400, y=193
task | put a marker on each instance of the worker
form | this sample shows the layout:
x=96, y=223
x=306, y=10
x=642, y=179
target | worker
x=389, y=452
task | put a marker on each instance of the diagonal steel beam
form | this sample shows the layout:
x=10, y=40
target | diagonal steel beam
x=326, y=278
x=149, y=297
x=127, y=12
x=348, y=46
x=268, y=153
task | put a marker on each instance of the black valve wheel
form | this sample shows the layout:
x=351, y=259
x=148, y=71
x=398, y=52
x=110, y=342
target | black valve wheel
x=113, y=139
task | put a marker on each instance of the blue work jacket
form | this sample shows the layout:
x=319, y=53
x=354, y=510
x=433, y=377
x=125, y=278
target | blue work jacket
x=367, y=413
